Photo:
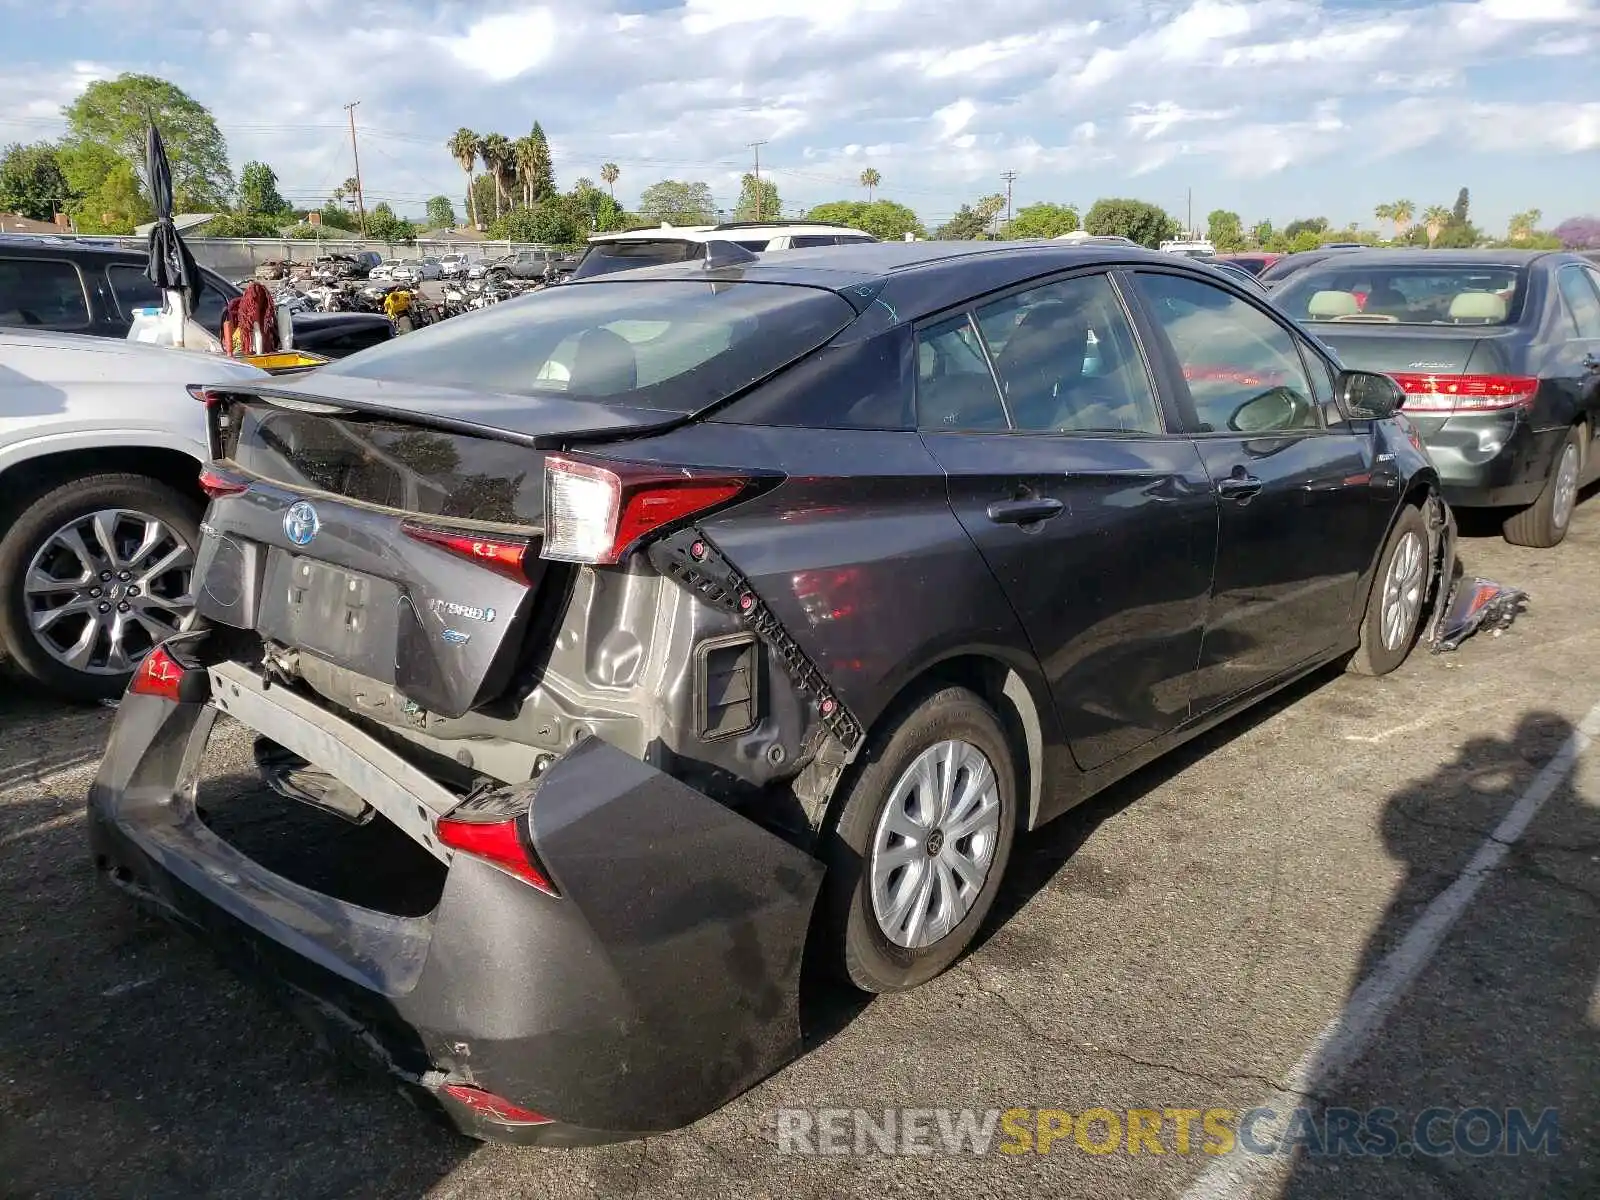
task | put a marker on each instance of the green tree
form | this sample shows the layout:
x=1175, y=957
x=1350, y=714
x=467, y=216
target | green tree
x=556, y=220
x=1043, y=220
x=610, y=172
x=1225, y=230
x=1461, y=213
x=481, y=199
x=758, y=200
x=244, y=225
x=1524, y=225
x=115, y=112
x=31, y=182
x=1139, y=221
x=1384, y=212
x=1263, y=234
x=1402, y=212
x=1305, y=239
x=601, y=213
x=971, y=222
x=441, y=213
x=258, y=190
x=498, y=163
x=383, y=225
x=870, y=179
x=336, y=216
x=109, y=197
x=678, y=203
x=881, y=218
x=1434, y=218
x=541, y=169
x=1312, y=225
x=463, y=147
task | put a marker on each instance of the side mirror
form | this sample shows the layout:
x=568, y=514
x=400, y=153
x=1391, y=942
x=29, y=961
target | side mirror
x=1369, y=396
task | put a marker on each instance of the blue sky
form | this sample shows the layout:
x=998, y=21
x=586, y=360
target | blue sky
x=1273, y=108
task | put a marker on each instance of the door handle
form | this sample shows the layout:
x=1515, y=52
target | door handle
x=1239, y=487
x=1024, y=512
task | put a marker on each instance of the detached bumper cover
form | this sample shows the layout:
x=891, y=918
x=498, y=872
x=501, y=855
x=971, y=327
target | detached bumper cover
x=661, y=984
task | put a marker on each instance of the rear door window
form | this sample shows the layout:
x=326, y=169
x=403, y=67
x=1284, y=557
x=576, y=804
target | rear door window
x=42, y=293
x=1583, y=305
x=955, y=388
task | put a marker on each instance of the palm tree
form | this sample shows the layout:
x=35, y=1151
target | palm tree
x=1524, y=224
x=609, y=173
x=495, y=150
x=1403, y=212
x=525, y=156
x=1434, y=218
x=870, y=179
x=1384, y=212
x=464, y=146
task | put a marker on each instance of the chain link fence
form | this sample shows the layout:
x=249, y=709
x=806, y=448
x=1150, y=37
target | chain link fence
x=236, y=258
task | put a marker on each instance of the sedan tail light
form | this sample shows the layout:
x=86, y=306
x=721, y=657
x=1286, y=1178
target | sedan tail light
x=597, y=512
x=164, y=677
x=499, y=841
x=1466, y=393
x=502, y=555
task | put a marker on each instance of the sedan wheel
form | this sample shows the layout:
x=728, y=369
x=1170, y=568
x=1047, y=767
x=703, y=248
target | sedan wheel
x=93, y=576
x=1393, y=618
x=934, y=844
x=1544, y=523
x=919, y=846
x=1402, y=591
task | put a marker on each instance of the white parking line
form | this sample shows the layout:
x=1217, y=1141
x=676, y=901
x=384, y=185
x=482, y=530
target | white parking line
x=60, y=822
x=1347, y=1036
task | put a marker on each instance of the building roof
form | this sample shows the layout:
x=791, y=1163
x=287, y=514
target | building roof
x=17, y=223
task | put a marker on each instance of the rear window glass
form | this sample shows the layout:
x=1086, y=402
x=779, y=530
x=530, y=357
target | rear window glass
x=666, y=345
x=391, y=464
x=602, y=258
x=1405, y=294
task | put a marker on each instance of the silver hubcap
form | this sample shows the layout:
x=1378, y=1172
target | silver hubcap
x=1402, y=592
x=1566, y=497
x=104, y=589
x=934, y=844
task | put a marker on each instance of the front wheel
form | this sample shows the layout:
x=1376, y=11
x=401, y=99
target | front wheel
x=920, y=845
x=1544, y=523
x=92, y=576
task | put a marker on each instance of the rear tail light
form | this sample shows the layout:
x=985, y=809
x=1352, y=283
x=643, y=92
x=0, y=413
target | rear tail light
x=217, y=485
x=504, y=556
x=164, y=677
x=203, y=394
x=498, y=841
x=599, y=512
x=1466, y=393
x=487, y=1104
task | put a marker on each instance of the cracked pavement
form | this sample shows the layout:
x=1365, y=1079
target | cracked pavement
x=1178, y=942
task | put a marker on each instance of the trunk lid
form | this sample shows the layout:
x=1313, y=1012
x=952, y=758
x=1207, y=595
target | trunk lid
x=404, y=550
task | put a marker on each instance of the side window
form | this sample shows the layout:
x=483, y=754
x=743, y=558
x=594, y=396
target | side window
x=954, y=387
x=210, y=308
x=132, y=289
x=1582, y=302
x=1243, y=371
x=41, y=293
x=806, y=241
x=1068, y=361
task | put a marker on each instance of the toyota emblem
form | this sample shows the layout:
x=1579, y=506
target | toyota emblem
x=301, y=523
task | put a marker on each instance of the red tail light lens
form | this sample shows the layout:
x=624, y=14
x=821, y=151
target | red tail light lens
x=209, y=398
x=217, y=485
x=599, y=512
x=494, y=1107
x=502, y=555
x=1466, y=393
x=499, y=842
x=159, y=675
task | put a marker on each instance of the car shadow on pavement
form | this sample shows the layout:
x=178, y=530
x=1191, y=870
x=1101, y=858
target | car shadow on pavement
x=1505, y=1017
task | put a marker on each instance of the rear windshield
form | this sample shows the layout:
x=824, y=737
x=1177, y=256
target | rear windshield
x=602, y=258
x=670, y=345
x=1409, y=294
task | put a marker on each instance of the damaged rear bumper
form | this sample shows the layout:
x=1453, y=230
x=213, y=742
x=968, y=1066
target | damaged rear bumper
x=658, y=985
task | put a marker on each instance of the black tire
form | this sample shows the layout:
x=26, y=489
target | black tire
x=849, y=934
x=1374, y=656
x=40, y=520
x=1536, y=525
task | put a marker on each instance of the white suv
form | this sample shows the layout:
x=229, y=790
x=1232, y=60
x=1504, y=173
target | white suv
x=608, y=252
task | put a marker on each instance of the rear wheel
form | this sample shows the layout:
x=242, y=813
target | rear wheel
x=1394, y=608
x=920, y=845
x=1544, y=523
x=92, y=576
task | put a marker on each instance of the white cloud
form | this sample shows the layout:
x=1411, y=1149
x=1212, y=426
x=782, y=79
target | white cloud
x=506, y=45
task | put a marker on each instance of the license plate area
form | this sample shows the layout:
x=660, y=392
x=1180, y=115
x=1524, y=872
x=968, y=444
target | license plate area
x=333, y=612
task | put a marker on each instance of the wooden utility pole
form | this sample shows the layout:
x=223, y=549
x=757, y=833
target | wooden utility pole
x=361, y=202
x=756, y=146
x=1010, y=178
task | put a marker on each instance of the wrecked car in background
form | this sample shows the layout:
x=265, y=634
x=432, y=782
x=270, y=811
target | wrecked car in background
x=646, y=626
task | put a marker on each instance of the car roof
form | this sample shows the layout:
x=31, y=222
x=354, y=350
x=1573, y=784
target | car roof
x=935, y=275
x=1344, y=260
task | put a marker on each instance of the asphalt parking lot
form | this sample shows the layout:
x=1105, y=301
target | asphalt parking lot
x=1180, y=943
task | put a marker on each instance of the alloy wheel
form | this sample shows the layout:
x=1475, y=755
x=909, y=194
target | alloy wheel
x=1402, y=591
x=1566, y=484
x=105, y=588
